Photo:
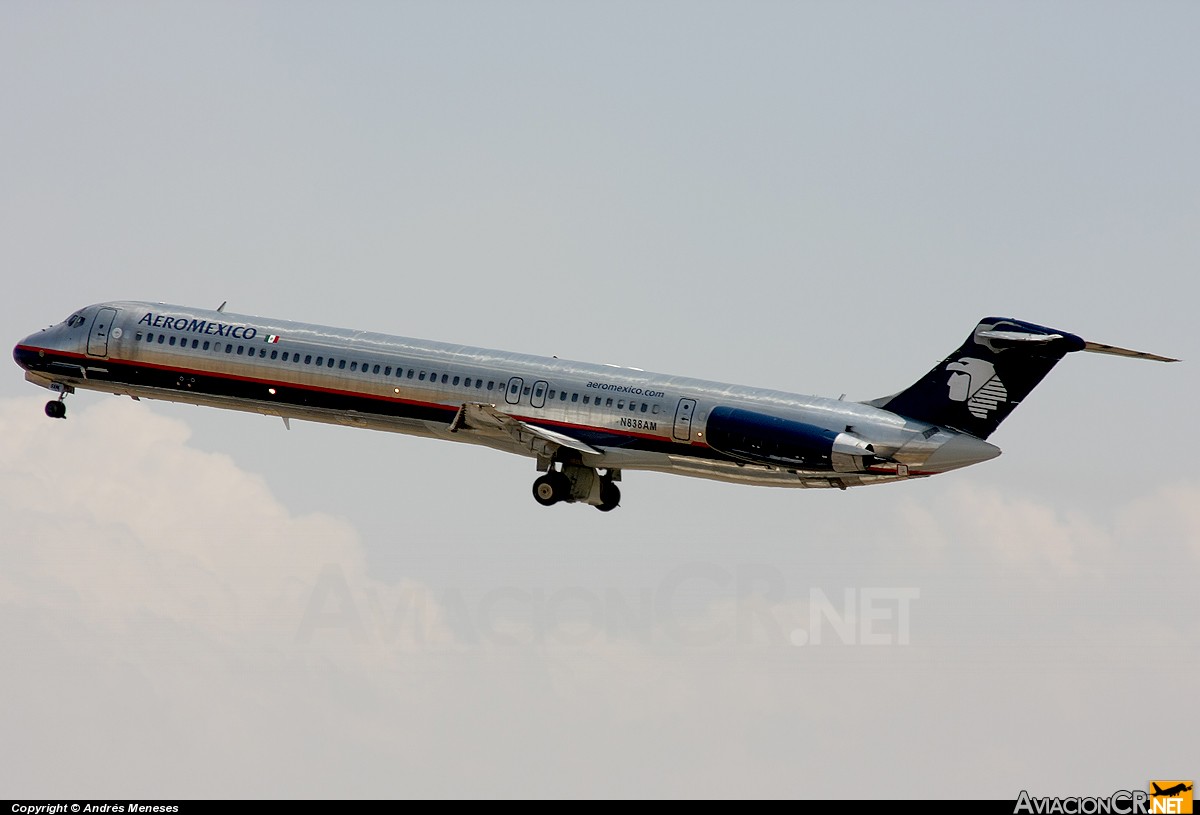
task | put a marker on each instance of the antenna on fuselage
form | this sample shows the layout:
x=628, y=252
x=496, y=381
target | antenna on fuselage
x=222, y=306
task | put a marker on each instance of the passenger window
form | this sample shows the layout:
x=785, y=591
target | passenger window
x=574, y=397
x=262, y=353
x=455, y=382
x=274, y=355
x=329, y=362
x=525, y=392
x=138, y=337
x=375, y=369
x=513, y=388
x=410, y=374
x=149, y=338
x=320, y=360
x=620, y=404
x=162, y=338
x=422, y=376
x=353, y=366
x=445, y=378
x=609, y=402
x=308, y=359
x=195, y=344
x=386, y=371
x=644, y=406
x=587, y=399
x=632, y=407
x=285, y=356
x=241, y=348
x=654, y=409
x=478, y=384
x=171, y=341
x=562, y=396
x=341, y=364
x=550, y=395
x=229, y=348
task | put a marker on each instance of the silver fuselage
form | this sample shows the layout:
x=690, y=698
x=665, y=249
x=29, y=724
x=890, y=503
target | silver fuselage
x=633, y=419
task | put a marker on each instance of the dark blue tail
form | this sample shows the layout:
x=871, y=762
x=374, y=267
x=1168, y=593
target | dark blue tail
x=975, y=388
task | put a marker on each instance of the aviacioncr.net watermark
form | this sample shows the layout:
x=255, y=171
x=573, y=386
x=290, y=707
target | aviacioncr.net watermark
x=695, y=605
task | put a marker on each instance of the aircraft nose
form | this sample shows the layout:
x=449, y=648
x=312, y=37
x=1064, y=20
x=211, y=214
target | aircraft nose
x=23, y=351
x=20, y=354
x=960, y=451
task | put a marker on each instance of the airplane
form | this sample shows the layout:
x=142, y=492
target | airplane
x=584, y=424
x=1182, y=786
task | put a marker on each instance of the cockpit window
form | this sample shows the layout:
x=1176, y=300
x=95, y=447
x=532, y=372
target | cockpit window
x=74, y=320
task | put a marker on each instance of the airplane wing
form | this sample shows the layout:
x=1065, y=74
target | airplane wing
x=481, y=417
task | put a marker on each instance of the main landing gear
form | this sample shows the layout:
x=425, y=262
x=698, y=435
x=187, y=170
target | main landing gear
x=575, y=482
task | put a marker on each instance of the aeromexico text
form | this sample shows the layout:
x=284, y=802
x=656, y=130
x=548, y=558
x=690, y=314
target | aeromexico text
x=240, y=332
x=605, y=386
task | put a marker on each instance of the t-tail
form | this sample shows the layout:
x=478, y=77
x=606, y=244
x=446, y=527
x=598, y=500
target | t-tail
x=975, y=388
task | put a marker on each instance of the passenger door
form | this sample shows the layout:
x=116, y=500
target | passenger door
x=101, y=327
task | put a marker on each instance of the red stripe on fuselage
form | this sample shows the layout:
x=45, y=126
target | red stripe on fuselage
x=339, y=392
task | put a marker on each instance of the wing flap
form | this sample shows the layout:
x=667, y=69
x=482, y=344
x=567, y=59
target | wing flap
x=481, y=417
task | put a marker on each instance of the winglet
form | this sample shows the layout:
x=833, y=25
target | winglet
x=222, y=306
x=1101, y=348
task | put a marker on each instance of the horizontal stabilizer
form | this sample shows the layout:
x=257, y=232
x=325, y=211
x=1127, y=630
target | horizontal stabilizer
x=1101, y=348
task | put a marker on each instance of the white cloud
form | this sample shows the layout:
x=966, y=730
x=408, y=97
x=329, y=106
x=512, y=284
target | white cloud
x=1168, y=519
x=175, y=630
x=1015, y=534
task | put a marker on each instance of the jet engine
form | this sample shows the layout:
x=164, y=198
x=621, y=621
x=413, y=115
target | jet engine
x=764, y=439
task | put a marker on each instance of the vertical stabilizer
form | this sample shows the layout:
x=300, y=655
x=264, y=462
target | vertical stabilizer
x=975, y=388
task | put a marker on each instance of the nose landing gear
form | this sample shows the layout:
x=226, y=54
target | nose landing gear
x=57, y=408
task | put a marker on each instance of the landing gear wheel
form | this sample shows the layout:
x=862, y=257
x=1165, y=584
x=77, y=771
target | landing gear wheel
x=551, y=488
x=610, y=497
x=56, y=409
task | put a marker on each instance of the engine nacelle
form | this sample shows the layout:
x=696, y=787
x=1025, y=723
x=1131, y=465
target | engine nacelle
x=765, y=439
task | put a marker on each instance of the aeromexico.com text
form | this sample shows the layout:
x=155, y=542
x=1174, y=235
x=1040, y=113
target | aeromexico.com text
x=606, y=386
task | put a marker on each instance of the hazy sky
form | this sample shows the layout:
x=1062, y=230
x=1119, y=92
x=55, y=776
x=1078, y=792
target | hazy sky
x=818, y=197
